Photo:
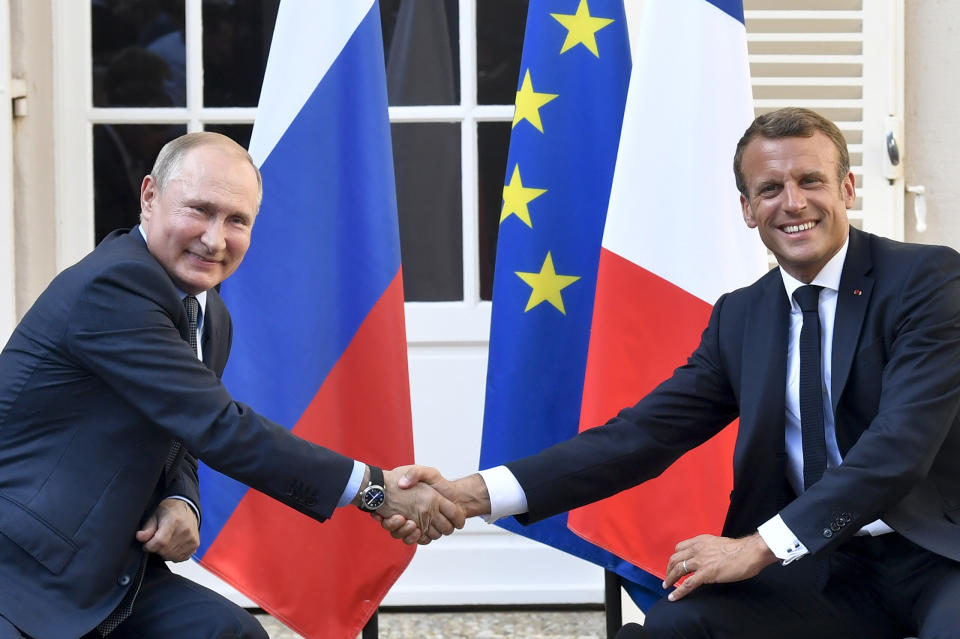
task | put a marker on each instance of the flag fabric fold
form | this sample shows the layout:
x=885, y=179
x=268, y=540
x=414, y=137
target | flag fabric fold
x=571, y=92
x=319, y=340
x=674, y=241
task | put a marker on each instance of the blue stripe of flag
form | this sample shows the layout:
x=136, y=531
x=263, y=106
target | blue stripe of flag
x=733, y=8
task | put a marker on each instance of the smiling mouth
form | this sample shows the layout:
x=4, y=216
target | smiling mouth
x=201, y=258
x=796, y=228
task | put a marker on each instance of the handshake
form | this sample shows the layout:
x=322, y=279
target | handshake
x=420, y=505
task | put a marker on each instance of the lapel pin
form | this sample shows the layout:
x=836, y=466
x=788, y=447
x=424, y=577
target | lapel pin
x=857, y=291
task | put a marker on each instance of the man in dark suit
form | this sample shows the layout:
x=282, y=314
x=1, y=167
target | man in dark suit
x=109, y=392
x=844, y=520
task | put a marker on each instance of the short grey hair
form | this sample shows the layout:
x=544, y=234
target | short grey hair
x=173, y=152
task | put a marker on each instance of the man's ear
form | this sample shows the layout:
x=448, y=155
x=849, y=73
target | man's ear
x=747, y=212
x=849, y=190
x=148, y=196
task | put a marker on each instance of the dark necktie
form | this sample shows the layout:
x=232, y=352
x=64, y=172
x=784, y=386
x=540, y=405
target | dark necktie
x=811, y=395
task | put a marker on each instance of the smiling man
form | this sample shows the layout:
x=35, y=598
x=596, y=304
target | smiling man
x=843, y=366
x=109, y=393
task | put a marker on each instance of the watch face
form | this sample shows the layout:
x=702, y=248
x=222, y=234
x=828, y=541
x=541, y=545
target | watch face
x=373, y=497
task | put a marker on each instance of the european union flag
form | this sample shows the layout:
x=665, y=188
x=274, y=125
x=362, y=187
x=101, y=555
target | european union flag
x=566, y=130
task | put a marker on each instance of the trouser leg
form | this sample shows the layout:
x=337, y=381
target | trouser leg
x=169, y=605
x=785, y=602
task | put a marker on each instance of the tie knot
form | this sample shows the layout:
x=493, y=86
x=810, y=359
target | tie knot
x=808, y=297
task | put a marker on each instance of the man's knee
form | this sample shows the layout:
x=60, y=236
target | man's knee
x=676, y=620
x=229, y=621
x=248, y=628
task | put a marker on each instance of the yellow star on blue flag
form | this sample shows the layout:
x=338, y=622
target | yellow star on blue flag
x=581, y=28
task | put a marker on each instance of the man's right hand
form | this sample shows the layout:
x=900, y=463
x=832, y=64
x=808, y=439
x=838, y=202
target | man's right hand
x=468, y=493
x=426, y=514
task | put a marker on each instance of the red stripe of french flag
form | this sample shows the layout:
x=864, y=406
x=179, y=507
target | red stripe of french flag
x=674, y=241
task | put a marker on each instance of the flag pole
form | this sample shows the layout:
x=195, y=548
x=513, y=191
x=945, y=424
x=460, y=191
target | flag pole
x=371, y=630
x=612, y=604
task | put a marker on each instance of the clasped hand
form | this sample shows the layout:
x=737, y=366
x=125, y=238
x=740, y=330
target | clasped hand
x=467, y=495
x=425, y=513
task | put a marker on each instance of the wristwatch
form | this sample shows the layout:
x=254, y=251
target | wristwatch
x=373, y=496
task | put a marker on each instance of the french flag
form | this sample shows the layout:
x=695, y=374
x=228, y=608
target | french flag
x=319, y=340
x=673, y=242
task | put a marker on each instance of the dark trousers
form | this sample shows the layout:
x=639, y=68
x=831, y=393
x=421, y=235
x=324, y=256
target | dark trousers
x=871, y=588
x=169, y=605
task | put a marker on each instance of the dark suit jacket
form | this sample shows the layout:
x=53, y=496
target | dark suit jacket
x=95, y=383
x=895, y=392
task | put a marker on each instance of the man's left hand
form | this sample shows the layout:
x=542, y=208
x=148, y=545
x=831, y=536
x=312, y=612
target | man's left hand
x=172, y=531
x=707, y=559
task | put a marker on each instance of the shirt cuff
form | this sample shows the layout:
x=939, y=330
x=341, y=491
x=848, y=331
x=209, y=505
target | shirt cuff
x=876, y=528
x=781, y=540
x=193, y=506
x=506, y=495
x=353, y=484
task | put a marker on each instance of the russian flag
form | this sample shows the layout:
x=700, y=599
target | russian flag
x=319, y=340
x=674, y=241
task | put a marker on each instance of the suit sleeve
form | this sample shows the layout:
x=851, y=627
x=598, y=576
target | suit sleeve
x=919, y=397
x=122, y=331
x=185, y=482
x=694, y=404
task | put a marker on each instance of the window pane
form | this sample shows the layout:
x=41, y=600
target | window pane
x=236, y=41
x=421, y=44
x=122, y=155
x=493, y=140
x=239, y=133
x=426, y=159
x=139, y=55
x=500, y=26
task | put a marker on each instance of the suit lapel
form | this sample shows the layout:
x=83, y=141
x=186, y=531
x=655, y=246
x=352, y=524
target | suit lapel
x=853, y=299
x=765, y=365
x=216, y=334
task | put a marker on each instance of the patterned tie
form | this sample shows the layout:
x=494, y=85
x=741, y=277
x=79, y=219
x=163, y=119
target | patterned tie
x=811, y=394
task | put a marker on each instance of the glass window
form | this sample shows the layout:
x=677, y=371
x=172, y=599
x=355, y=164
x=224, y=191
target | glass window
x=236, y=41
x=493, y=139
x=239, y=133
x=426, y=160
x=500, y=26
x=122, y=155
x=421, y=48
x=139, y=53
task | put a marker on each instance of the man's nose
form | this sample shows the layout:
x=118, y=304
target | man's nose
x=213, y=236
x=793, y=197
